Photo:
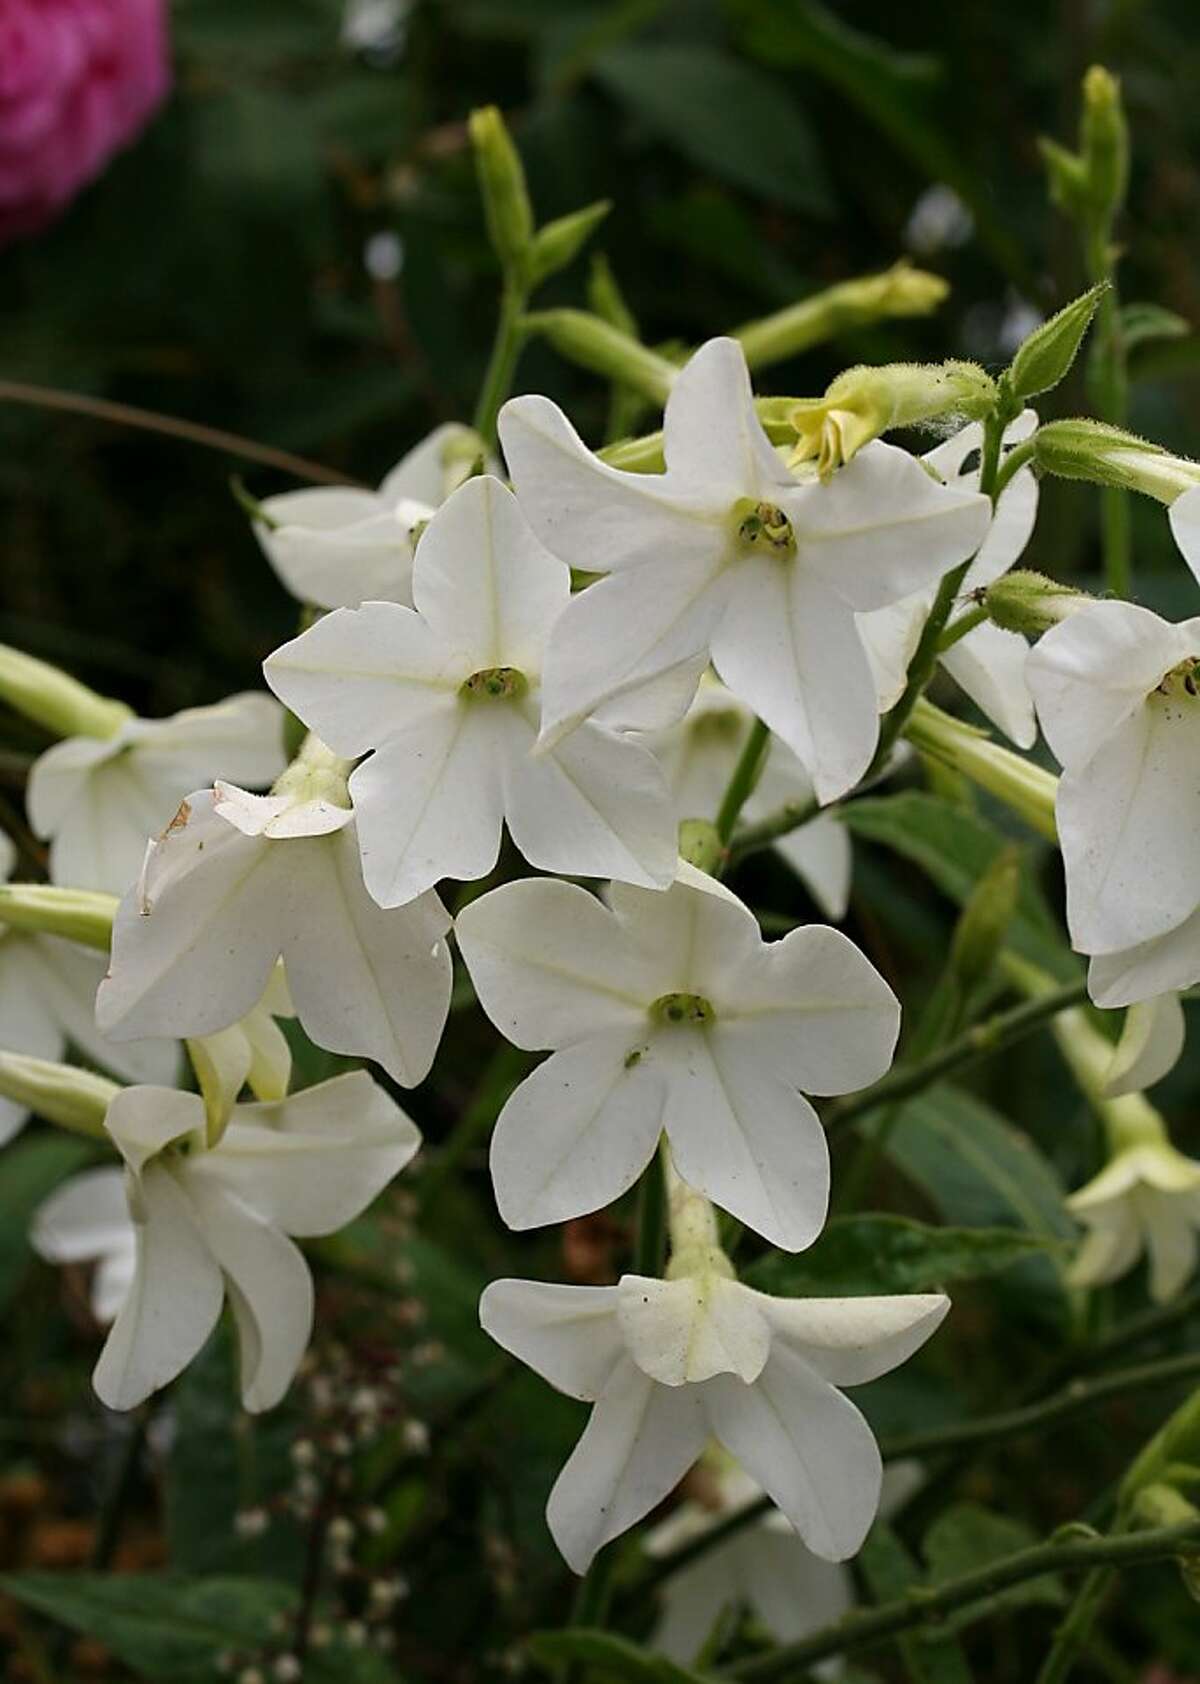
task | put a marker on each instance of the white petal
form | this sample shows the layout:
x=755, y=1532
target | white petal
x=112, y=1281
x=58, y=775
x=790, y=649
x=337, y=547
x=360, y=676
x=144, y=1121
x=1090, y=673
x=639, y=1443
x=65, y=979
x=687, y=1330
x=1152, y=1038
x=270, y=1292
x=815, y=1010
x=744, y=1137
x=311, y=1163
x=890, y=636
x=882, y=528
x=567, y=1334
x=693, y=1599
x=1184, y=516
x=365, y=981
x=806, y=1445
x=1111, y=1246
x=240, y=738
x=1171, y=1246
x=8, y=855
x=101, y=838
x=85, y=1217
x=989, y=663
x=484, y=584
x=657, y=704
x=594, y=805
x=849, y=1341
x=221, y=1062
x=713, y=442
x=173, y=1304
x=578, y=1132
x=819, y=852
x=1011, y=528
x=430, y=804
x=431, y=470
x=792, y=1591
x=551, y=964
x=28, y=1024
x=276, y=816
x=689, y=939
x=1164, y=965
x=1126, y=822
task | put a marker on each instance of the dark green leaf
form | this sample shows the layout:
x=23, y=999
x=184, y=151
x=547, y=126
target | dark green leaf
x=878, y=1254
x=967, y=1537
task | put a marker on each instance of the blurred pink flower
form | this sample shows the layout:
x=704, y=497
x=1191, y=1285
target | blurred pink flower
x=78, y=79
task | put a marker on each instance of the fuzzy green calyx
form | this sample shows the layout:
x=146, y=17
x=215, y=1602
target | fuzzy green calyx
x=683, y=1009
x=864, y=402
x=494, y=684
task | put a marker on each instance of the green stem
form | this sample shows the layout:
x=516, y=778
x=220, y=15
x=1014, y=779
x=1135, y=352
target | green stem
x=502, y=365
x=1014, y=462
x=923, y=1605
x=112, y=1514
x=501, y=1075
x=1073, y=1633
x=651, y=1246
x=959, y=628
x=781, y=822
x=1110, y=383
x=981, y=1040
x=743, y=779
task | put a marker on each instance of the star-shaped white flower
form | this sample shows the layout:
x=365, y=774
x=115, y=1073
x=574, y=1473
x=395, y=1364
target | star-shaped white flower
x=448, y=697
x=1147, y=1198
x=988, y=662
x=238, y=880
x=337, y=547
x=1118, y=695
x=99, y=798
x=698, y=755
x=211, y=1224
x=87, y=1220
x=728, y=554
x=667, y=1011
x=47, y=1001
x=670, y=1363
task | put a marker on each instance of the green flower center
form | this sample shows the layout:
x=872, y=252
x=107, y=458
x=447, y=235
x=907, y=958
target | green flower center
x=683, y=1009
x=763, y=529
x=496, y=684
x=1182, y=683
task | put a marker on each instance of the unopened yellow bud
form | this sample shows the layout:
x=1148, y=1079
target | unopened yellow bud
x=502, y=182
x=898, y=291
x=864, y=402
x=1104, y=142
x=81, y=915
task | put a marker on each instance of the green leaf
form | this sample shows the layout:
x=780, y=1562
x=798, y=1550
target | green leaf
x=1144, y=324
x=967, y=1537
x=163, y=1625
x=732, y=120
x=1042, y=360
x=33, y=1168
x=609, y=1657
x=876, y=1253
x=891, y=1573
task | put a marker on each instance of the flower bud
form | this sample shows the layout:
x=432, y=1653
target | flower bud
x=983, y=925
x=1042, y=360
x=502, y=183
x=54, y=699
x=595, y=344
x=77, y=1100
x=1066, y=176
x=559, y=241
x=1104, y=143
x=1030, y=603
x=1092, y=450
x=1021, y=785
x=78, y=914
x=898, y=291
x=700, y=845
x=864, y=402
x=607, y=300
x=1161, y=1504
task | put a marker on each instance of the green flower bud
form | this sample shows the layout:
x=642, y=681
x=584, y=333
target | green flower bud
x=595, y=344
x=898, y=291
x=1066, y=175
x=77, y=1100
x=559, y=241
x=502, y=183
x=606, y=298
x=78, y=914
x=54, y=699
x=1031, y=603
x=1044, y=358
x=700, y=845
x=983, y=924
x=864, y=402
x=1092, y=450
x=1021, y=785
x=1162, y=1505
x=1104, y=143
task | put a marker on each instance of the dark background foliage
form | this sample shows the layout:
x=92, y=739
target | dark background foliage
x=755, y=151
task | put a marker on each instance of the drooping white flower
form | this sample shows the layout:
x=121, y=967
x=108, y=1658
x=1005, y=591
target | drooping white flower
x=98, y=798
x=1117, y=694
x=1145, y=1199
x=338, y=547
x=988, y=662
x=699, y=753
x=238, y=880
x=764, y=1565
x=87, y=1220
x=669, y=1363
x=668, y=1012
x=215, y=1223
x=728, y=553
x=448, y=696
x=47, y=999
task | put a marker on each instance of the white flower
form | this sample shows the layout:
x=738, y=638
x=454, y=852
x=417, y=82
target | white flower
x=1147, y=1198
x=87, y=1219
x=699, y=753
x=1152, y=1039
x=669, y=1363
x=1184, y=518
x=215, y=1223
x=728, y=553
x=764, y=1566
x=338, y=547
x=448, y=697
x=988, y=662
x=47, y=1000
x=1116, y=692
x=99, y=798
x=669, y=1013
x=236, y=881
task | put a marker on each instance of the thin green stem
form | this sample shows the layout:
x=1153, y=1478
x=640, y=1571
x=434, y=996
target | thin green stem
x=1014, y=461
x=922, y=1605
x=1110, y=390
x=651, y=1245
x=980, y=1041
x=958, y=629
x=1072, y=1635
x=742, y=781
x=502, y=365
x=781, y=822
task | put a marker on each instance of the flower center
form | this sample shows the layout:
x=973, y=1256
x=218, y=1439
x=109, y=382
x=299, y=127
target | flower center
x=1182, y=683
x=763, y=529
x=497, y=684
x=683, y=1008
